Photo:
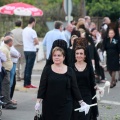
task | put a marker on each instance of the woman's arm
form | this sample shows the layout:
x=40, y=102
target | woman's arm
x=75, y=89
x=92, y=77
x=42, y=85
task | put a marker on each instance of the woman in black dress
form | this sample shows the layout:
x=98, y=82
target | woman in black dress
x=86, y=83
x=70, y=51
x=57, y=88
x=112, y=47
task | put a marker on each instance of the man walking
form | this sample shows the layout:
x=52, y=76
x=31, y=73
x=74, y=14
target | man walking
x=30, y=40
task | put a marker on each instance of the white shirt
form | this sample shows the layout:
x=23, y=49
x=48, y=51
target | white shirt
x=28, y=39
x=67, y=36
x=50, y=37
x=14, y=54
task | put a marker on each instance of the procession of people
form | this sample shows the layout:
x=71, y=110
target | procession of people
x=76, y=58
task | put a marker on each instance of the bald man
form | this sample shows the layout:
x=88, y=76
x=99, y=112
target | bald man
x=8, y=64
x=67, y=33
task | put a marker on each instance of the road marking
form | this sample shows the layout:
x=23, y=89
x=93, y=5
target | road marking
x=110, y=102
x=36, y=75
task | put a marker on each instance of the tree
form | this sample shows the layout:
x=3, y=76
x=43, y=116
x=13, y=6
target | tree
x=104, y=8
x=4, y=2
x=82, y=8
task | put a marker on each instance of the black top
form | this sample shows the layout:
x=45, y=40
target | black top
x=86, y=83
x=71, y=57
x=57, y=91
x=85, y=79
x=55, y=84
x=113, y=50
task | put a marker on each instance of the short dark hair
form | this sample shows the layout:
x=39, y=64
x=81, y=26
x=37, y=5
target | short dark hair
x=8, y=41
x=80, y=47
x=32, y=19
x=58, y=24
x=8, y=34
x=93, y=29
x=18, y=23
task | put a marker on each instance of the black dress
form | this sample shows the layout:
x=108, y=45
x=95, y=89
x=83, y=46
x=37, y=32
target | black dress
x=112, y=49
x=70, y=57
x=57, y=91
x=86, y=83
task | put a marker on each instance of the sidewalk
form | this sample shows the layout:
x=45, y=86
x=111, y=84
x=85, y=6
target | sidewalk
x=38, y=67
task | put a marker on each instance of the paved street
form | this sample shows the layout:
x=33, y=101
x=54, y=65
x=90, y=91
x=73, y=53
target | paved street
x=109, y=106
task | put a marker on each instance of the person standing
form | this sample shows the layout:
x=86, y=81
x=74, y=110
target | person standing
x=57, y=88
x=86, y=83
x=87, y=22
x=112, y=48
x=2, y=59
x=67, y=33
x=8, y=42
x=30, y=40
x=53, y=35
x=15, y=55
x=18, y=44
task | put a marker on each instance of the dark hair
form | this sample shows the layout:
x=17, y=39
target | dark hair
x=93, y=29
x=58, y=43
x=111, y=30
x=8, y=34
x=80, y=47
x=18, y=23
x=32, y=19
x=75, y=32
x=58, y=24
x=8, y=41
x=80, y=42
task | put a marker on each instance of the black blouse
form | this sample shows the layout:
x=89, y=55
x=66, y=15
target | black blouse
x=60, y=85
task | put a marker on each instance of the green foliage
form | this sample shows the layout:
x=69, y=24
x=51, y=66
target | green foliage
x=104, y=8
x=4, y=2
x=53, y=10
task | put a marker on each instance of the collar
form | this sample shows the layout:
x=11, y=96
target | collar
x=7, y=46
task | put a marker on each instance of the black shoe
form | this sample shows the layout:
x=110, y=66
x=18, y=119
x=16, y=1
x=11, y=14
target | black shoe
x=2, y=103
x=1, y=97
x=10, y=106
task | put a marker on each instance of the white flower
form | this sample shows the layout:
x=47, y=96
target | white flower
x=114, y=41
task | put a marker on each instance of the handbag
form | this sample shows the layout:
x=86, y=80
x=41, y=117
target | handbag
x=38, y=114
x=38, y=117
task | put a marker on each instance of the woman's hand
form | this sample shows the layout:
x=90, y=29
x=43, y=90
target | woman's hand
x=84, y=107
x=96, y=87
x=37, y=106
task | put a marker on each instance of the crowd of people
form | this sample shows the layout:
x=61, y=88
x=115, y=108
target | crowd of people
x=75, y=60
x=17, y=57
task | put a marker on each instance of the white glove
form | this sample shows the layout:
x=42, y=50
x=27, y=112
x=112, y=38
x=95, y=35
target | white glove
x=37, y=106
x=84, y=107
x=93, y=67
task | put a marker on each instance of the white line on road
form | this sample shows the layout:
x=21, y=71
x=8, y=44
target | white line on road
x=110, y=102
x=36, y=75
